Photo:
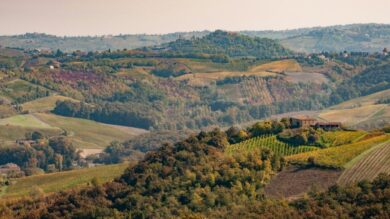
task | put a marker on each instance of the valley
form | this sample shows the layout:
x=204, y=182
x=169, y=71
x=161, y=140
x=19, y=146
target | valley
x=181, y=125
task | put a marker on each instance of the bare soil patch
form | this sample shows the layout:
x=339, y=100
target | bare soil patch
x=294, y=181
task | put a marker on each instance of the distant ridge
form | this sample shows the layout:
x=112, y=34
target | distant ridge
x=353, y=37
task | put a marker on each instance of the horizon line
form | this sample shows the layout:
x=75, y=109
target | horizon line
x=183, y=32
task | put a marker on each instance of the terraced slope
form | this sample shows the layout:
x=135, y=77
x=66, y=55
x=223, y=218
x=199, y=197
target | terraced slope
x=367, y=166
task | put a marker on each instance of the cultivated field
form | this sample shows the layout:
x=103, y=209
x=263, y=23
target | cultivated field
x=55, y=182
x=268, y=69
x=9, y=133
x=368, y=165
x=338, y=156
x=337, y=138
x=87, y=133
x=293, y=182
x=361, y=113
x=271, y=142
x=28, y=120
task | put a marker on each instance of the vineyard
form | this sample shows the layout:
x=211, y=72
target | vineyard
x=376, y=161
x=270, y=142
x=337, y=138
x=337, y=157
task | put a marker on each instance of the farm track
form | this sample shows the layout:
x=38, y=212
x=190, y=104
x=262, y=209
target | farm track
x=375, y=162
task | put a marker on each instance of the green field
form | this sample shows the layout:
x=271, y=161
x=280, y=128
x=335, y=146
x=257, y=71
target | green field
x=338, y=156
x=55, y=182
x=337, y=138
x=271, y=142
x=43, y=104
x=84, y=133
x=87, y=133
x=9, y=133
x=29, y=121
x=19, y=88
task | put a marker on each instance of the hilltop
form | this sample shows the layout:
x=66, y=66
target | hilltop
x=229, y=44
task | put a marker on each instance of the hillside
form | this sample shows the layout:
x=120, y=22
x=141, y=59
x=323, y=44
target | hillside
x=196, y=177
x=61, y=181
x=364, y=112
x=359, y=38
x=230, y=44
x=368, y=165
x=356, y=37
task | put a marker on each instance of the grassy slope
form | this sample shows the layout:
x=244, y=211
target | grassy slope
x=87, y=133
x=43, y=104
x=28, y=121
x=55, y=182
x=361, y=112
x=18, y=88
x=9, y=133
x=84, y=133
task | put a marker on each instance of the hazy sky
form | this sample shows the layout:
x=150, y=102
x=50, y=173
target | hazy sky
x=97, y=17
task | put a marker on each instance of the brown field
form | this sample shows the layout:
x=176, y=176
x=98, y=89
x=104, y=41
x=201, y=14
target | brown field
x=306, y=77
x=268, y=69
x=6, y=111
x=293, y=182
x=368, y=165
x=353, y=116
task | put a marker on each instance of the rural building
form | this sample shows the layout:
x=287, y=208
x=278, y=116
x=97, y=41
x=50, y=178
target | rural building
x=302, y=122
x=9, y=167
x=306, y=122
x=328, y=125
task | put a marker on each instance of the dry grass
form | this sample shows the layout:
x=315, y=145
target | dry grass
x=352, y=116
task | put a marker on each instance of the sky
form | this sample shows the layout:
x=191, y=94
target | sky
x=103, y=17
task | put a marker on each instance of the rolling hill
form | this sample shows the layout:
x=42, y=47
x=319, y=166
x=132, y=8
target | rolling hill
x=356, y=37
x=61, y=181
x=85, y=134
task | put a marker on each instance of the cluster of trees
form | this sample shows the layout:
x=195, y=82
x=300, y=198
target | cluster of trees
x=308, y=136
x=371, y=80
x=195, y=178
x=229, y=44
x=137, y=147
x=41, y=154
x=112, y=113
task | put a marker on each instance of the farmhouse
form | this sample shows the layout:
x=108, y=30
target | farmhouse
x=302, y=122
x=9, y=167
x=328, y=125
x=305, y=122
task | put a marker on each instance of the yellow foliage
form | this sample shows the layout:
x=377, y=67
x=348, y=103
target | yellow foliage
x=338, y=156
